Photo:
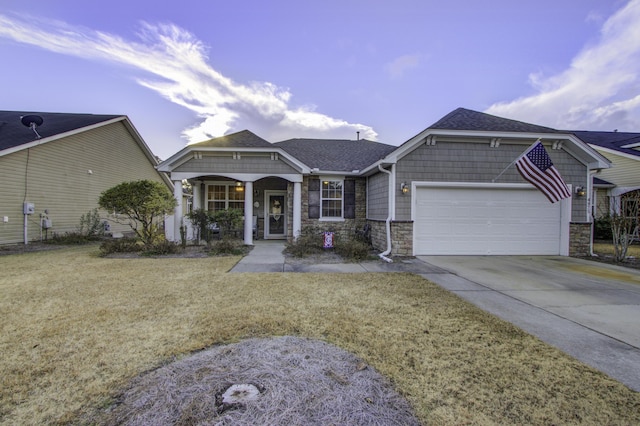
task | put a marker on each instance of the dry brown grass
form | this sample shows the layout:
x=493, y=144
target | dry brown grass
x=607, y=248
x=76, y=328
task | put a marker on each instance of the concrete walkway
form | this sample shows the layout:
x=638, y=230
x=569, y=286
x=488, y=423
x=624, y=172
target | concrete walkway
x=588, y=310
x=267, y=256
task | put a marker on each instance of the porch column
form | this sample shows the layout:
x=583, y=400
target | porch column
x=177, y=214
x=297, y=209
x=248, y=213
x=197, y=202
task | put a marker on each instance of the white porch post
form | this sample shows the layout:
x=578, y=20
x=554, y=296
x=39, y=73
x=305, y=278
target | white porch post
x=248, y=213
x=297, y=209
x=197, y=202
x=177, y=215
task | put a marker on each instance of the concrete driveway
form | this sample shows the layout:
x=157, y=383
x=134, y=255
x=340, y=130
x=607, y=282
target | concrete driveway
x=589, y=310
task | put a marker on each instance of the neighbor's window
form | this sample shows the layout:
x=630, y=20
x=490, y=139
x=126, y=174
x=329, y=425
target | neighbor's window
x=225, y=196
x=331, y=198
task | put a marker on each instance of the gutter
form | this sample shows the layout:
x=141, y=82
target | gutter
x=385, y=253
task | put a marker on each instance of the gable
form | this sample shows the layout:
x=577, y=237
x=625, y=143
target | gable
x=235, y=162
x=625, y=171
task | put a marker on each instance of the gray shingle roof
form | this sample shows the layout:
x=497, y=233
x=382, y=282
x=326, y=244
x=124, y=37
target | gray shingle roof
x=13, y=133
x=242, y=139
x=336, y=155
x=612, y=140
x=466, y=119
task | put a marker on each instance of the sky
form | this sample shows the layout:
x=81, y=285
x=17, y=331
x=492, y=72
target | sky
x=187, y=71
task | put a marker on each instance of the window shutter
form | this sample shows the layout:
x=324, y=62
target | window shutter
x=314, y=198
x=349, y=199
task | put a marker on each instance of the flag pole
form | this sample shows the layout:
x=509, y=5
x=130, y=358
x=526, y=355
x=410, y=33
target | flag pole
x=513, y=162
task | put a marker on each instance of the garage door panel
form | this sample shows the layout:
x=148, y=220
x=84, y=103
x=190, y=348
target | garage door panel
x=485, y=221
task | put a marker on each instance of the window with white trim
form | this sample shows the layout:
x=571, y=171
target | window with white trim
x=331, y=199
x=224, y=196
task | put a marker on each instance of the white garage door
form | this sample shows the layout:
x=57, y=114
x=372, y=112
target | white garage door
x=498, y=220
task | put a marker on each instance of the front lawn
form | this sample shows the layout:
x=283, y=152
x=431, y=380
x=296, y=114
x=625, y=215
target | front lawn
x=76, y=328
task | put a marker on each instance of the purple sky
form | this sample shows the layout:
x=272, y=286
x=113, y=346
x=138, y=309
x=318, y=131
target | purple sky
x=190, y=70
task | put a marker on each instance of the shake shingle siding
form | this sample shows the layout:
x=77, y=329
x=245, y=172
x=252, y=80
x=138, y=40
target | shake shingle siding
x=247, y=163
x=478, y=162
x=66, y=177
x=378, y=198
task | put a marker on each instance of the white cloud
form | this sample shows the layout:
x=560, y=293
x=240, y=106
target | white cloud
x=599, y=91
x=399, y=66
x=179, y=71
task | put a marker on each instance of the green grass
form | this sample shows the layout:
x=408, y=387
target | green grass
x=76, y=328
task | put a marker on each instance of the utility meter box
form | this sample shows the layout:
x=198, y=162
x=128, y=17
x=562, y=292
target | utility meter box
x=29, y=208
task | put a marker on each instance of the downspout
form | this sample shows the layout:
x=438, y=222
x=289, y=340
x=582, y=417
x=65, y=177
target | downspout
x=385, y=253
x=591, y=202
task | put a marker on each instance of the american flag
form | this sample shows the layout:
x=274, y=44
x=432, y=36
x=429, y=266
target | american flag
x=536, y=167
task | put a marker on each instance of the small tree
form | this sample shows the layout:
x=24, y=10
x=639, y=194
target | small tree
x=144, y=204
x=624, y=224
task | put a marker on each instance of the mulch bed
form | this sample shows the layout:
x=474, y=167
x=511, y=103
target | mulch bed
x=276, y=381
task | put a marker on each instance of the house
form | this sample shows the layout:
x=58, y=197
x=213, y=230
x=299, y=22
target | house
x=451, y=189
x=54, y=166
x=622, y=180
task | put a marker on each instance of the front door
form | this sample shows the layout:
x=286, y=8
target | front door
x=275, y=225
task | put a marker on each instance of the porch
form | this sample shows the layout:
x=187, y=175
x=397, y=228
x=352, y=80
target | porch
x=272, y=204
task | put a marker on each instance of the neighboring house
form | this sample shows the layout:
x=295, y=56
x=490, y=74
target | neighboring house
x=437, y=193
x=611, y=186
x=58, y=165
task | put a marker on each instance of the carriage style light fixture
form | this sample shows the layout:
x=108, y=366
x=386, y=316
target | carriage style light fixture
x=404, y=188
x=580, y=192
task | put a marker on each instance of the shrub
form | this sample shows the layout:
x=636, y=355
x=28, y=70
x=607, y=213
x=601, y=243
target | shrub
x=602, y=228
x=228, y=246
x=202, y=221
x=308, y=242
x=353, y=249
x=120, y=245
x=70, y=238
x=91, y=225
x=228, y=220
x=163, y=247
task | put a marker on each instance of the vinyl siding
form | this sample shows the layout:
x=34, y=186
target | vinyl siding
x=56, y=178
x=478, y=162
x=623, y=172
x=224, y=163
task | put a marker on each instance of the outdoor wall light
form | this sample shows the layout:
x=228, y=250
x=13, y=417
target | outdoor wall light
x=580, y=192
x=404, y=188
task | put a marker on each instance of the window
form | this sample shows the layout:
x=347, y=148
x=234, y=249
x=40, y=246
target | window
x=331, y=198
x=225, y=196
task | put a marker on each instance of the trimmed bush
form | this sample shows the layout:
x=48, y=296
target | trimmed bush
x=163, y=247
x=353, y=249
x=120, y=245
x=228, y=246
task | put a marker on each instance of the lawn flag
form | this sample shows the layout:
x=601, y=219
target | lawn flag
x=535, y=166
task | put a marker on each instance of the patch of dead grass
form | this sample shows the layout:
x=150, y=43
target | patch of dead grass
x=76, y=328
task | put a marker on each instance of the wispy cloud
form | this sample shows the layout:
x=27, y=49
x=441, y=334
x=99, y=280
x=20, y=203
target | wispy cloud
x=177, y=66
x=399, y=66
x=599, y=91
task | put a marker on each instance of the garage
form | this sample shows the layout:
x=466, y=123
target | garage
x=487, y=219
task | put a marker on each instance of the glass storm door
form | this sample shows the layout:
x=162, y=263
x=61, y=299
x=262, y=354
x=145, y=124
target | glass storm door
x=275, y=225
